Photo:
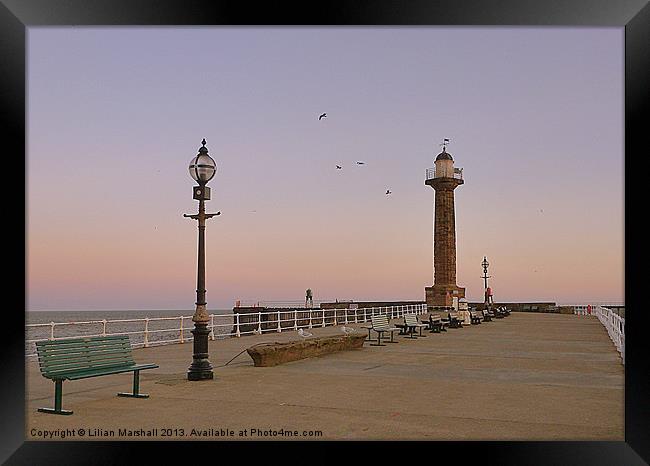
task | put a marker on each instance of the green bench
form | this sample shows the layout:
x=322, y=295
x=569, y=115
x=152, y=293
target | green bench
x=81, y=358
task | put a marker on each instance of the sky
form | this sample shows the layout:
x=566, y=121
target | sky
x=115, y=114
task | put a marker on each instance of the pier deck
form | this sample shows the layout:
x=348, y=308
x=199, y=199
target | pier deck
x=526, y=377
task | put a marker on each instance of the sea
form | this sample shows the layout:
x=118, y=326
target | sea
x=70, y=324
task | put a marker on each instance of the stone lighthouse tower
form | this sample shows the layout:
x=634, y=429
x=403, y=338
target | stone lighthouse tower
x=444, y=178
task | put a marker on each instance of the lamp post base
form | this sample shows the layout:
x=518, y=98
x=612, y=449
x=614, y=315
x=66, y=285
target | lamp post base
x=201, y=369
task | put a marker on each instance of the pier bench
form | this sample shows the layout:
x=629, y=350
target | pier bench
x=475, y=317
x=487, y=316
x=454, y=320
x=410, y=324
x=82, y=358
x=381, y=325
x=435, y=323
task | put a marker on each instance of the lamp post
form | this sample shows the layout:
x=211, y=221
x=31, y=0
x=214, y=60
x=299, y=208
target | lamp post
x=202, y=169
x=485, y=276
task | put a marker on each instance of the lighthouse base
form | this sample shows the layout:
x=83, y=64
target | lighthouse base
x=442, y=295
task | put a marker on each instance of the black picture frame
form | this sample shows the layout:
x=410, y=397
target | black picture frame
x=633, y=15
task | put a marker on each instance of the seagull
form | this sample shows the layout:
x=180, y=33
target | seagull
x=388, y=192
x=338, y=167
x=347, y=330
x=361, y=163
x=324, y=115
x=304, y=334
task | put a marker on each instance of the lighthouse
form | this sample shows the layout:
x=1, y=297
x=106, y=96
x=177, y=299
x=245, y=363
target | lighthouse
x=444, y=179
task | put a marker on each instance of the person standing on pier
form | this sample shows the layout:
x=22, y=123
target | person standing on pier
x=309, y=298
x=489, y=298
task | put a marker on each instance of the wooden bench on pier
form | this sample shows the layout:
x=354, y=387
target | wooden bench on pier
x=410, y=324
x=435, y=323
x=81, y=358
x=381, y=325
x=475, y=317
x=455, y=321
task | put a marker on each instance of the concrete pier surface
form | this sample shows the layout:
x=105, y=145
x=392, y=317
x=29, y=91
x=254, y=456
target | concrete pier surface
x=528, y=376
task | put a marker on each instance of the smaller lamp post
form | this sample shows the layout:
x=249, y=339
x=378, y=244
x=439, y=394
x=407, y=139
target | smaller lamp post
x=485, y=277
x=202, y=169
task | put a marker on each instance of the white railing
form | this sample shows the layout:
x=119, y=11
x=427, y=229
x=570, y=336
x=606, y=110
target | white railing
x=431, y=173
x=615, y=326
x=220, y=325
x=613, y=323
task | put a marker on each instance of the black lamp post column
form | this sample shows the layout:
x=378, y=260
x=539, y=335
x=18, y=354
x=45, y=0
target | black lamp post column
x=485, y=277
x=202, y=170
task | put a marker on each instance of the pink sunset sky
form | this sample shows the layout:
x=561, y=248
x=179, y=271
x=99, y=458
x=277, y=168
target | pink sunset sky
x=535, y=118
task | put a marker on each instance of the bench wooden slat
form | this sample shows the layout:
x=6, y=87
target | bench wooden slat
x=82, y=364
x=108, y=371
x=72, y=342
x=78, y=351
x=83, y=355
x=81, y=347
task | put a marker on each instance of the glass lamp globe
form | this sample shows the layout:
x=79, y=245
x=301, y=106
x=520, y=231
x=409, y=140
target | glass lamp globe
x=202, y=167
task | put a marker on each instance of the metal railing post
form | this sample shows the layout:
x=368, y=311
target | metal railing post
x=237, y=330
x=211, y=326
x=146, y=331
x=335, y=311
x=346, y=315
x=259, y=322
x=51, y=330
x=295, y=319
x=279, y=327
x=323, y=317
x=103, y=327
x=310, y=318
x=182, y=337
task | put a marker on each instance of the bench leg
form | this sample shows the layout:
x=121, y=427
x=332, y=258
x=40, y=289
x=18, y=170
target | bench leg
x=421, y=333
x=392, y=340
x=58, y=395
x=136, y=388
x=378, y=340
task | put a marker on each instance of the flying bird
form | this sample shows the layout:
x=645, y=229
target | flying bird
x=324, y=115
x=338, y=167
x=361, y=163
x=304, y=334
x=388, y=192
